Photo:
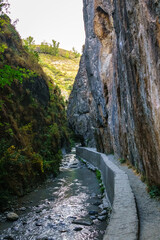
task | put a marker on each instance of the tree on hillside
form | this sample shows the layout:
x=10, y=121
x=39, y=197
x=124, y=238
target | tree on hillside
x=55, y=48
x=29, y=41
x=45, y=48
x=76, y=53
x=29, y=44
x=50, y=49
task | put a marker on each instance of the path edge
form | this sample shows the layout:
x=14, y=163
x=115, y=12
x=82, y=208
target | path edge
x=123, y=223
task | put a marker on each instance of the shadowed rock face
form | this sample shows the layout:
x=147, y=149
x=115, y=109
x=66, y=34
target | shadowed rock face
x=115, y=101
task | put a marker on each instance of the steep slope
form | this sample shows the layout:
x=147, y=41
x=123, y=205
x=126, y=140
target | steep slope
x=121, y=68
x=33, y=126
x=61, y=69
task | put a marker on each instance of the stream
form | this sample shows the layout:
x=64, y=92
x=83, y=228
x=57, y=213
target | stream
x=69, y=207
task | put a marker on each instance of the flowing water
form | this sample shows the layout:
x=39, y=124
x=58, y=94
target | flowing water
x=65, y=208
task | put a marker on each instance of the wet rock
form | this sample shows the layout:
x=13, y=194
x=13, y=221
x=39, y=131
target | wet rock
x=16, y=229
x=38, y=224
x=93, y=195
x=82, y=222
x=102, y=218
x=100, y=196
x=75, y=163
x=39, y=211
x=92, y=217
x=73, y=166
x=93, y=212
x=78, y=229
x=63, y=230
x=96, y=221
x=22, y=209
x=43, y=238
x=8, y=238
x=97, y=203
x=51, y=199
x=104, y=212
x=105, y=204
x=11, y=216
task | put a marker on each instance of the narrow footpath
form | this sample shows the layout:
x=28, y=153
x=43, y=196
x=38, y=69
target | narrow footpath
x=148, y=208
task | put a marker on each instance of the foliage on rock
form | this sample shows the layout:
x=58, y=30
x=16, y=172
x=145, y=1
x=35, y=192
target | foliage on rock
x=33, y=126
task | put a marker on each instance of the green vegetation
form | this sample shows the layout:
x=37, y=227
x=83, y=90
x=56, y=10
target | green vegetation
x=76, y=53
x=98, y=175
x=122, y=160
x=9, y=74
x=81, y=159
x=61, y=70
x=29, y=45
x=52, y=49
x=59, y=64
x=154, y=191
x=33, y=125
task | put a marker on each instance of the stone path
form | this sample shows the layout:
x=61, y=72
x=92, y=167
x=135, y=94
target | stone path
x=148, y=208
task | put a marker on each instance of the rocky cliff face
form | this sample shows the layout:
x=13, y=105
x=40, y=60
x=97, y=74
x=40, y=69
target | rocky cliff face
x=115, y=102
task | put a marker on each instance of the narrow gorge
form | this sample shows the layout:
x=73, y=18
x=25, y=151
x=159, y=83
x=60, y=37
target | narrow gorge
x=80, y=134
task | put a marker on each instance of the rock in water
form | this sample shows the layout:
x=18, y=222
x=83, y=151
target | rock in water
x=102, y=218
x=11, y=216
x=82, y=222
x=78, y=229
x=8, y=238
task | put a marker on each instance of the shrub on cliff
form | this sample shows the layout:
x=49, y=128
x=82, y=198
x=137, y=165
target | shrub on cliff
x=33, y=125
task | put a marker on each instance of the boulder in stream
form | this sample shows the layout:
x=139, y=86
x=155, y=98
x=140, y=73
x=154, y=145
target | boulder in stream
x=11, y=216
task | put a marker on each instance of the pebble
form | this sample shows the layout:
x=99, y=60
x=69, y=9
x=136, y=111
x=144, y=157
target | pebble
x=78, y=229
x=11, y=216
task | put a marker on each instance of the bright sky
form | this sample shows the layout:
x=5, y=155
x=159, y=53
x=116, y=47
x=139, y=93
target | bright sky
x=60, y=20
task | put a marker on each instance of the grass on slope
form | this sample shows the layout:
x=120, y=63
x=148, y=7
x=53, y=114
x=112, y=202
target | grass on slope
x=62, y=71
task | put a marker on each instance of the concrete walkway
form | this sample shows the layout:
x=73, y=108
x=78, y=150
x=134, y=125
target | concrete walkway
x=123, y=224
x=148, y=208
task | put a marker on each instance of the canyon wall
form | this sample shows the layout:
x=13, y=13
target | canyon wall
x=115, y=101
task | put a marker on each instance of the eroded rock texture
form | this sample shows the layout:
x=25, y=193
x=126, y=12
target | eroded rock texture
x=115, y=102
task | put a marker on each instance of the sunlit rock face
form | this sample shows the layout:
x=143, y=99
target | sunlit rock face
x=115, y=102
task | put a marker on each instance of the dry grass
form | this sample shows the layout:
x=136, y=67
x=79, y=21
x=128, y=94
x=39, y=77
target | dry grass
x=61, y=70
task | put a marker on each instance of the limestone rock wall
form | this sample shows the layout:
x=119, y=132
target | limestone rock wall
x=115, y=102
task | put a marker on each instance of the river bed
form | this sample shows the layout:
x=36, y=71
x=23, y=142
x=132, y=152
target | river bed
x=68, y=207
